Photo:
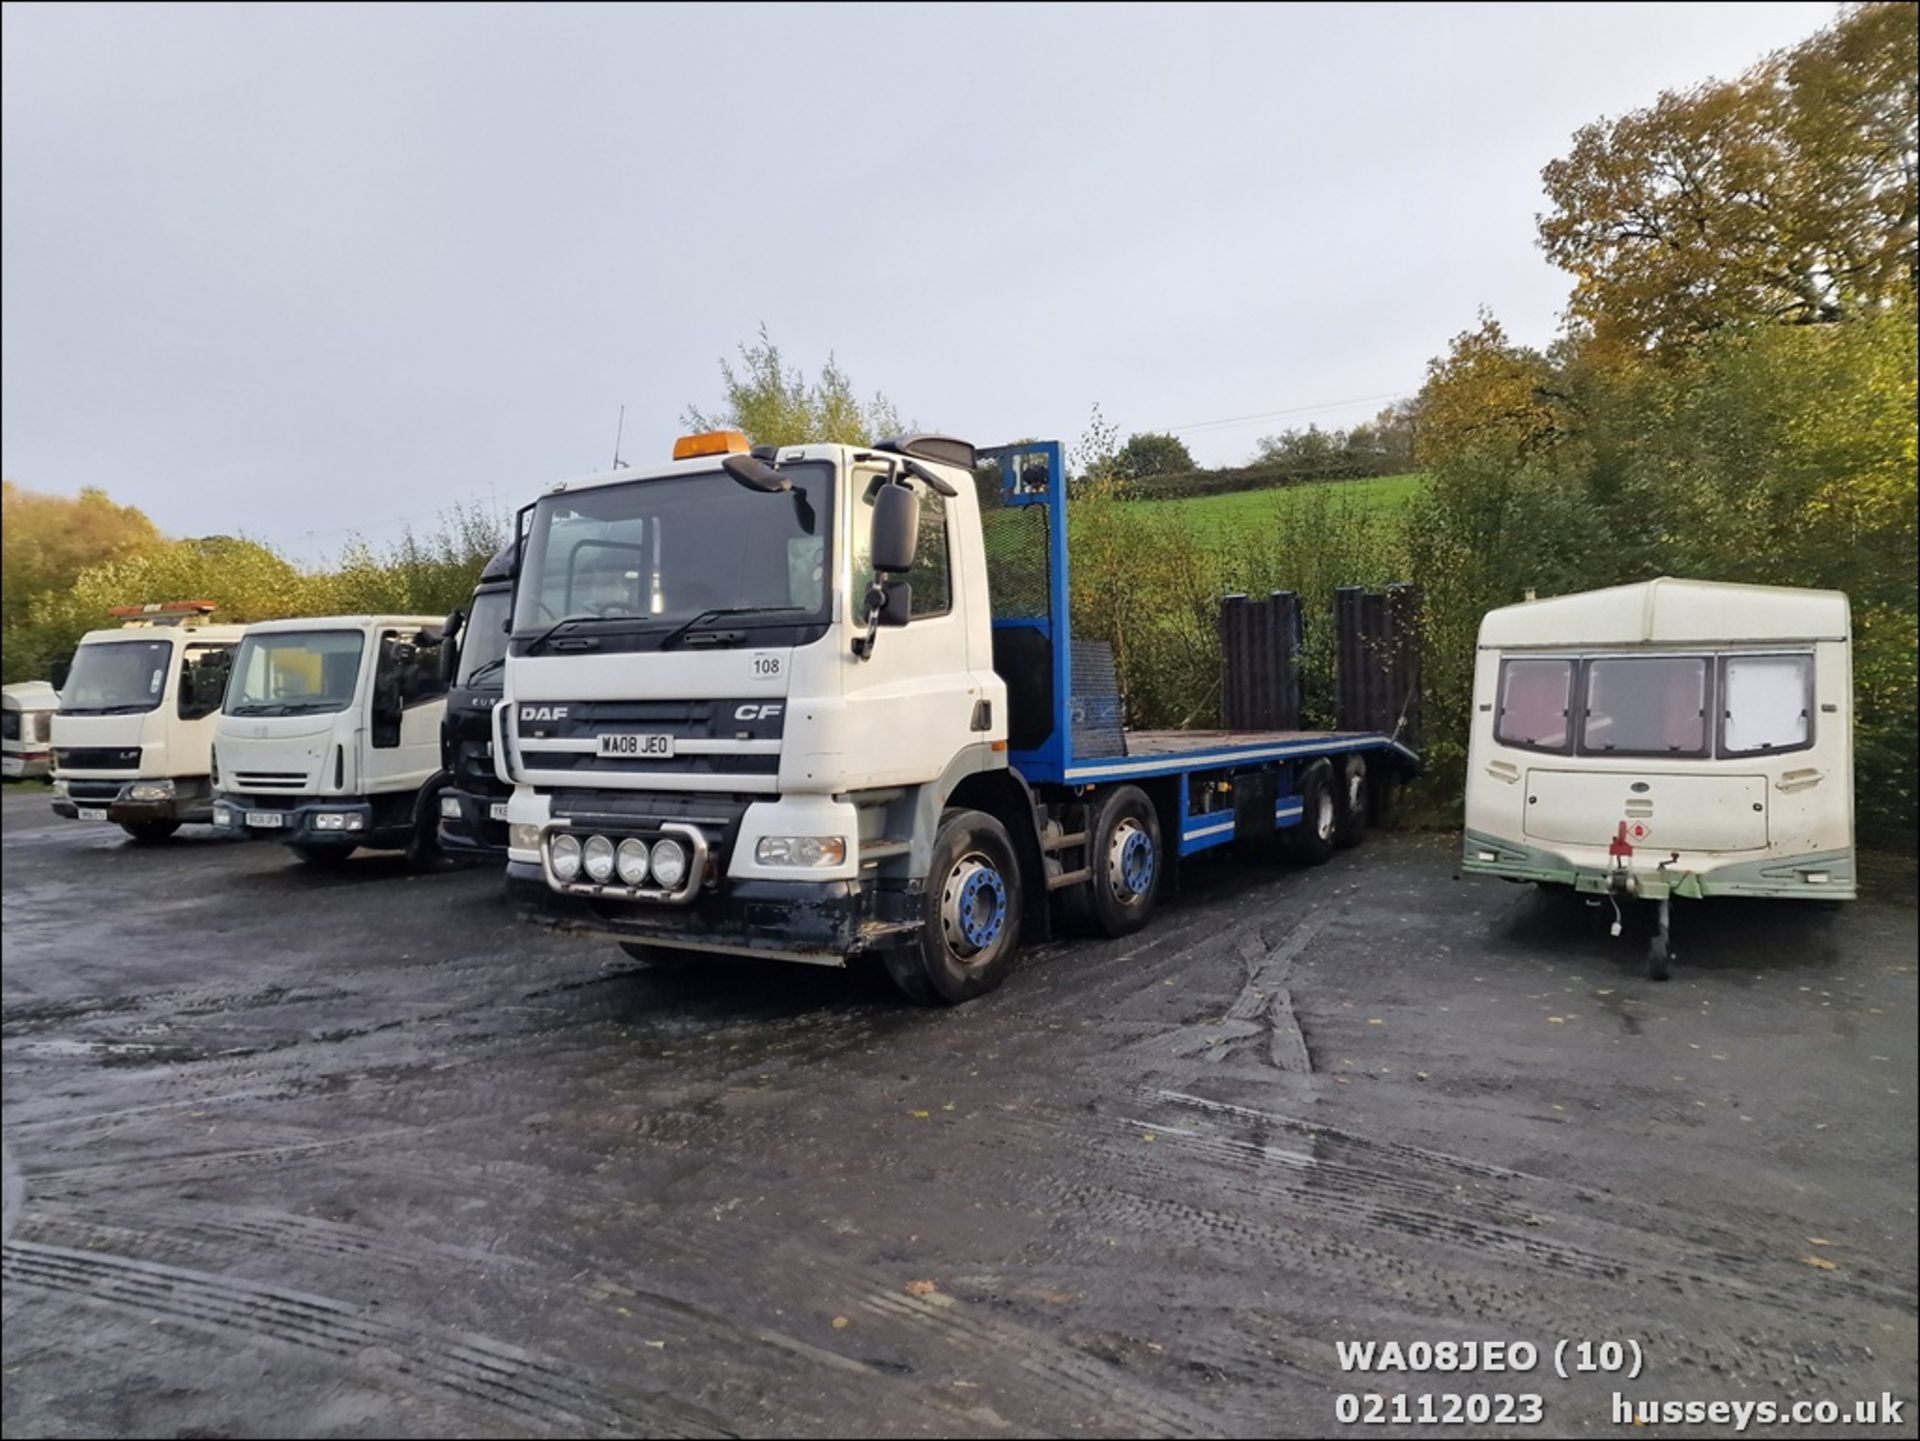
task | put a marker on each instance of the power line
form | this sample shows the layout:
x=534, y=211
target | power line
x=1226, y=422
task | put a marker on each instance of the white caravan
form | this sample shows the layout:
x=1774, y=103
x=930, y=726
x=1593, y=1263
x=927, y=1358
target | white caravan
x=331, y=733
x=26, y=712
x=1673, y=738
x=132, y=736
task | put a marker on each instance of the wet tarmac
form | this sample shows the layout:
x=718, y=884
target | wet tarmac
x=297, y=1153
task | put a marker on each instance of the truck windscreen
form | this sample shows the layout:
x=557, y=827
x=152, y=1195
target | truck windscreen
x=673, y=548
x=295, y=672
x=117, y=677
x=483, y=644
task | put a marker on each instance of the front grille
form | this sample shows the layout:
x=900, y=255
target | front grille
x=537, y=759
x=270, y=780
x=93, y=790
x=759, y=718
x=97, y=758
x=474, y=765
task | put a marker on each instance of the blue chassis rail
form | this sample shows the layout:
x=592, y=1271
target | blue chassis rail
x=1053, y=761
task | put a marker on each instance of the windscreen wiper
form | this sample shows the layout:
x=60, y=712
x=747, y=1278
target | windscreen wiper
x=706, y=615
x=548, y=634
x=486, y=668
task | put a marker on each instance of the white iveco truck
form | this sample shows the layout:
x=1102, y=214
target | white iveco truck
x=330, y=736
x=135, y=724
x=825, y=700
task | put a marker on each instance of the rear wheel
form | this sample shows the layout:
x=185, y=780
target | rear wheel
x=1311, y=841
x=1124, y=855
x=148, y=833
x=970, y=918
x=326, y=858
x=1353, y=801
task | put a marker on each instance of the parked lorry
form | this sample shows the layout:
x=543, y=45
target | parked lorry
x=825, y=700
x=473, y=801
x=26, y=729
x=134, y=731
x=1676, y=738
x=330, y=736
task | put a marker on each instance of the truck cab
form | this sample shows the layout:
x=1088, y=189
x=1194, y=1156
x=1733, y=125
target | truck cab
x=133, y=735
x=329, y=739
x=473, y=802
x=26, y=728
x=817, y=701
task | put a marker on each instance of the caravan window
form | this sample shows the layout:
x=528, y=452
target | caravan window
x=1646, y=706
x=1767, y=703
x=1535, y=696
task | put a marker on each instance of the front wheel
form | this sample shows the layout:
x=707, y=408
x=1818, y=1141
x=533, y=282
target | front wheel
x=149, y=833
x=970, y=918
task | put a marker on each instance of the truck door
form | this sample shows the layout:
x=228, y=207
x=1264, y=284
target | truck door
x=409, y=699
x=912, y=701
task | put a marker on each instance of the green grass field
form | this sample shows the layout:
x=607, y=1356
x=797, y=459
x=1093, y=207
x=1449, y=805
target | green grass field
x=1216, y=517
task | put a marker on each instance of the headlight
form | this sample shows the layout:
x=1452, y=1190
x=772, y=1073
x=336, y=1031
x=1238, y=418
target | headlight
x=450, y=808
x=564, y=853
x=222, y=816
x=801, y=850
x=631, y=861
x=59, y=788
x=523, y=837
x=599, y=857
x=669, y=864
x=151, y=791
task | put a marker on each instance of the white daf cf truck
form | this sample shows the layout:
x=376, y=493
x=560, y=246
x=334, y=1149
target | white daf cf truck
x=132, y=736
x=330, y=736
x=824, y=700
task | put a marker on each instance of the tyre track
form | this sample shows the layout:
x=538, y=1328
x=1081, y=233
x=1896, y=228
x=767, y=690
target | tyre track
x=539, y=1393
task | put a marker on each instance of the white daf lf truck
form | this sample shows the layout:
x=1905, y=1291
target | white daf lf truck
x=825, y=700
x=132, y=737
x=1671, y=739
x=329, y=739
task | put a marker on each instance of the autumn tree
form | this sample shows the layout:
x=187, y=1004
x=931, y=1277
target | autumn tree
x=1785, y=195
x=776, y=404
x=50, y=539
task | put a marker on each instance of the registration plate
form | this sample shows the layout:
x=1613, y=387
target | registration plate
x=497, y=811
x=266, y=820
x=631, y=745
x=92, y=813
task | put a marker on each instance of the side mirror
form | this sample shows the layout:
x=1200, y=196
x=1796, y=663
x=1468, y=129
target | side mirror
x=450, y=646
x=897, y=608
x=896, y=528
x=58, y=672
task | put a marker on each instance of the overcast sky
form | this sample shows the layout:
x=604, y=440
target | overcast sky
x=292, y=272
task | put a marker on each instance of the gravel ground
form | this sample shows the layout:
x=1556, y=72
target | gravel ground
x=292, y=1153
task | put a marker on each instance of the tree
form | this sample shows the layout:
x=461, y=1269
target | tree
x=50, y=539
x=1786, y=195
x=1147, y=453
x=775, y=404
